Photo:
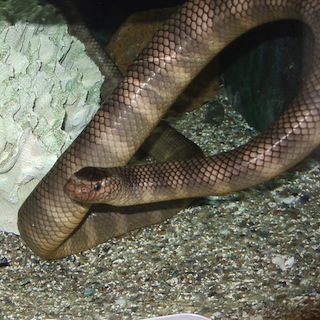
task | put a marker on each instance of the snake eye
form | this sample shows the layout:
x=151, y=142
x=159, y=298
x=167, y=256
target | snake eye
x=97, y=186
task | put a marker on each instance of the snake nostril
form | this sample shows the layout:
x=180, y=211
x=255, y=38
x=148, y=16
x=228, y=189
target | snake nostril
x=83, y=190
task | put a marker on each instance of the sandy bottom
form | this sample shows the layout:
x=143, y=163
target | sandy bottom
x=252, y=255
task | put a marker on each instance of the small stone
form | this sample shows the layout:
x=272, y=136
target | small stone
x=288, y=200
x=89, y=292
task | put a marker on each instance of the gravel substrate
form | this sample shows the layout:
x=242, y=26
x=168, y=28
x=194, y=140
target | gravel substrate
x=252, y=255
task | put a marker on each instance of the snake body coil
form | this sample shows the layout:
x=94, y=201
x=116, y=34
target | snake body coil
x=53, y=225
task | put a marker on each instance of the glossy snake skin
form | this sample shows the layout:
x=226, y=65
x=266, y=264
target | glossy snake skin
x=53, y=225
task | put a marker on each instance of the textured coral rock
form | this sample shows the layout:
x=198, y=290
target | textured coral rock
x=49, y=91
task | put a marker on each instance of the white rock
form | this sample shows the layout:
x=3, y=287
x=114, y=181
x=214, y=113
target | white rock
x=50, y=89
x=283, y=262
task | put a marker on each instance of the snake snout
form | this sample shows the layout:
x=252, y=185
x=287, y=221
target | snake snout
x=76, y=191
x=94, y=185
x=84, y=184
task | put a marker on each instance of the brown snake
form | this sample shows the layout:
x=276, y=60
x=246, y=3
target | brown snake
x=53, y=225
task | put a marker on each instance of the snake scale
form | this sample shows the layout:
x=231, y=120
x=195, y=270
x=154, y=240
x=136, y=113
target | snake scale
x=53, y=225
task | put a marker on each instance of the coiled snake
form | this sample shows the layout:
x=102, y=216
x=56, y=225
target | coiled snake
x=53, y=225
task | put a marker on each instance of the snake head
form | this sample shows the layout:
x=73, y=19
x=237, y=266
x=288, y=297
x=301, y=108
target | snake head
x=91, y=185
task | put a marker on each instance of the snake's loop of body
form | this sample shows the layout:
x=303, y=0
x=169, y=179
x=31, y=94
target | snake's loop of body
x=53, y=225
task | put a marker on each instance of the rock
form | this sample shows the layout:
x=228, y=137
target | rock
x=50, y=89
